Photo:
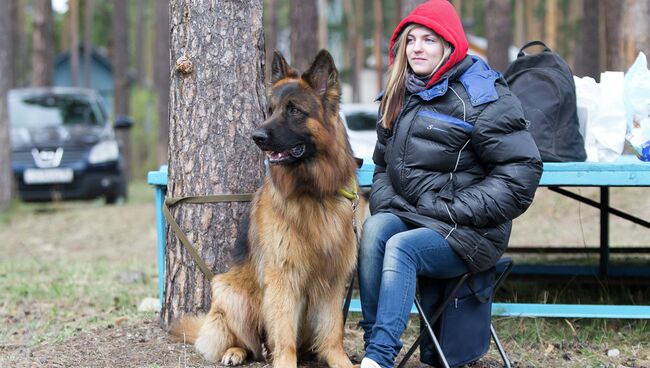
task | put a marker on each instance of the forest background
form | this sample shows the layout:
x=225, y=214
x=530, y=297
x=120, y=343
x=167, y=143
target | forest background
x=592, y=35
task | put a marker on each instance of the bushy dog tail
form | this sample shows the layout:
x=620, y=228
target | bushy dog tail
x=187, y=328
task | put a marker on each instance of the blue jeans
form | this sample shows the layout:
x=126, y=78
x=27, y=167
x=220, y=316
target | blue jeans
x=390, y=258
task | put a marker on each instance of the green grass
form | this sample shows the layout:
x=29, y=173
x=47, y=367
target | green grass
x=61, y=266
x=52, y=301
x=139, y=192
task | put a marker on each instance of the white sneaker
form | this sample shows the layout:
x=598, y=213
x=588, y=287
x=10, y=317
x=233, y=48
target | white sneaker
x=368, y=363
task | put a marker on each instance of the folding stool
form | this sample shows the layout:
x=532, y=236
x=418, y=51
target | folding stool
x=505, y=264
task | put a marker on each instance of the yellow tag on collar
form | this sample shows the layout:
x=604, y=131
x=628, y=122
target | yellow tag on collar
x=351, y=192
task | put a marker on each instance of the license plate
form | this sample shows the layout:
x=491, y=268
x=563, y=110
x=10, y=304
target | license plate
x=48, y=176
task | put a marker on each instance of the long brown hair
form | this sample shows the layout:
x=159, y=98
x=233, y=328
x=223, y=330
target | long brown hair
x=391, y=103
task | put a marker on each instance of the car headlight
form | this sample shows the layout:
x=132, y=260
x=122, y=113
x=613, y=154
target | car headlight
x=103, y=152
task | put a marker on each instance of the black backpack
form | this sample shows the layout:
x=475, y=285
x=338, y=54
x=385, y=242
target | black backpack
x=543, y=82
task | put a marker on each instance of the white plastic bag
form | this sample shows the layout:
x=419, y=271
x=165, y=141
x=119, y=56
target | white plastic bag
x=587, y=96
x=637, y=105
x=601, y=111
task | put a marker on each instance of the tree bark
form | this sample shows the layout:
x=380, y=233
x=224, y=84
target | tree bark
x=162, y=70
x=216, y=100
x=139, y=41
x=520, y=30
x=303, y=20
x=88, y=46
x=43, y=44
x=590, y=60
x=120, y=57
x=641, y=13
x=399, y=4
x=120, y=75
x=14, y=42
x=271, y=37
x=73, y=17
x=533, y=23
x=20, y=50
x=353, y=42
x=615, y=45
x=6, y=176
x=550, y=24
x=322, y=24
x=378, y=16
x=361, y=50
x=408, y=5
x=499, y=33
x=574, y=19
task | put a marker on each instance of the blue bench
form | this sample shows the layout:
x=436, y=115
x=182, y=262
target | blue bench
x=626, y=172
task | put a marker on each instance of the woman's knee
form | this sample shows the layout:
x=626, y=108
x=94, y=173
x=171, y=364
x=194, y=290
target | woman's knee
x=377, y=229
x=399, y=248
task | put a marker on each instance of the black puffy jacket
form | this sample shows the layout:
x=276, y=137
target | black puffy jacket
x=459, y=160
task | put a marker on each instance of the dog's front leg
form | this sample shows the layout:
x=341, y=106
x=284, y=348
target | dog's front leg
x=282, y=308
x=327, y=323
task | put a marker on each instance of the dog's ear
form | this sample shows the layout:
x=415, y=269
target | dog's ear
x=322, y=76
x=280, y=69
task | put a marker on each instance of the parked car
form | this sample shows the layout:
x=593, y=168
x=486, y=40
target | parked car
x=63, y=145
x=360, y=121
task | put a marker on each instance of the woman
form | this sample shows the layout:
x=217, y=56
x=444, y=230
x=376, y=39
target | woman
x=454, y=164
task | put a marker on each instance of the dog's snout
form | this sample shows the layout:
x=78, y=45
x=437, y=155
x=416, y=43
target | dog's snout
x=260, y=136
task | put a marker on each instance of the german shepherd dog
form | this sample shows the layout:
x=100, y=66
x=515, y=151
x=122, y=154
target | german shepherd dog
x=286, y=286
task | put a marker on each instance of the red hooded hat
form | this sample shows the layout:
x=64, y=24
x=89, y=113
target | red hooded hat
x=441, y=17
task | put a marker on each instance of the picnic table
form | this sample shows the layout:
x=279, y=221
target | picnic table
x=628, y=171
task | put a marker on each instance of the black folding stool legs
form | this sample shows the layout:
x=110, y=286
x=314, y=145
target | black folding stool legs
x=507, y=263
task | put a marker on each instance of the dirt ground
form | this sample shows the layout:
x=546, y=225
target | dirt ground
x=72, y=275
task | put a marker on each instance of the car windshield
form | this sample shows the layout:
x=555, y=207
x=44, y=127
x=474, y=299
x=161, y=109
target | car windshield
x=35, y=111
x=361, y=120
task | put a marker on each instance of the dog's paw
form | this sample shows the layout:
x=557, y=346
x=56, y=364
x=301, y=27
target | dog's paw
x=234, y=356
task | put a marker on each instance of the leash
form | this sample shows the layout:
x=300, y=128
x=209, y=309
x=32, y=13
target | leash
x=171, y=202
x=349, y=193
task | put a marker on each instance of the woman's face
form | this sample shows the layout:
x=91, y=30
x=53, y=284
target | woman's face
x=424, y=50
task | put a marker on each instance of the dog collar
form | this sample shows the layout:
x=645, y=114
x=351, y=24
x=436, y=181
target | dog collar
x=351, y=191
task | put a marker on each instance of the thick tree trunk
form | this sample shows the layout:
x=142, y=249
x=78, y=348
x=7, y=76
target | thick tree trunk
x=399, y=4
x=73, y=17
x=574, y=16
x=14, y=35
x=353, y=42
x=162, y=70
x=520, y=30
x=303, y=20
x=615, y=45
x=550, y=24
x=43, y=44
x=499, y=33
x=322, y=24
x=361, y=50
x=217, y=99
x=533, y=23
x=271, y=36
x=408, y=5
x=141, y=22
x=20, y=50
x=120, y=74
x=590, y=60
x=88, y=46
x=641, y=13
x=378, y=15
x=5, y=84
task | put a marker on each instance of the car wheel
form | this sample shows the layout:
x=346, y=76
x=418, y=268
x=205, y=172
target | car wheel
x=120, y=195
